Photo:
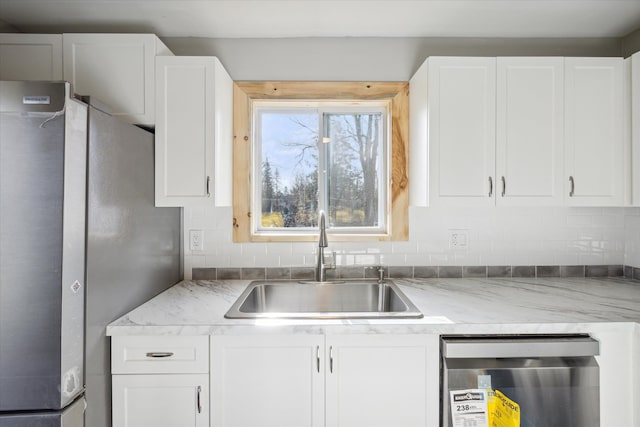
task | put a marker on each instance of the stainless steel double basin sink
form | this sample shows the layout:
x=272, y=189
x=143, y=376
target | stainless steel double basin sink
x=357, y=299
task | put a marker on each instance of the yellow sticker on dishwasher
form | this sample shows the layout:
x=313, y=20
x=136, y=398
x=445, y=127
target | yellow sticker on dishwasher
x=503, y=412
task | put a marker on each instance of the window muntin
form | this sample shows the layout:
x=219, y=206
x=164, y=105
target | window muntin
x=325, y=155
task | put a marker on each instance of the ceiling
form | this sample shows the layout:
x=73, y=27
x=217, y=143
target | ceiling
x=328, y=18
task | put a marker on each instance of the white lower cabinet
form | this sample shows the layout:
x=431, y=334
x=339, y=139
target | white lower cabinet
x=160, y=381
x=313, y=380
x=267, y=381
x=161, y=400
x=376, y=381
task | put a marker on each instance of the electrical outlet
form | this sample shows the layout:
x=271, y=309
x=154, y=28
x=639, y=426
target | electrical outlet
x=458, y=239
x=196, y=240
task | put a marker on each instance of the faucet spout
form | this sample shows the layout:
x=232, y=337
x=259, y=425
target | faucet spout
x=322, y=267
x=322, y=239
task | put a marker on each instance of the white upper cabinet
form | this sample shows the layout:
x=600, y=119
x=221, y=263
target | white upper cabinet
x=594, y=132
x=519, y=131
x=635, y=127
x=194, y=132
x=452, y=132
x=117, y=69
x=30, y=57
x=529, y=135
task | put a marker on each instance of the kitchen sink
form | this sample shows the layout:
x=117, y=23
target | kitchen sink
x=359, y=299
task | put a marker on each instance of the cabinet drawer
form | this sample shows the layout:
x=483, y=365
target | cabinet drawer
x=159, y=354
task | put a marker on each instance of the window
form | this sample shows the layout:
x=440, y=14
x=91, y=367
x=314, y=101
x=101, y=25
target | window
x=329, y=156
x=320, y=146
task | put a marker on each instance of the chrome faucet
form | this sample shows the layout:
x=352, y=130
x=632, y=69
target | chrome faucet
x=322, y=267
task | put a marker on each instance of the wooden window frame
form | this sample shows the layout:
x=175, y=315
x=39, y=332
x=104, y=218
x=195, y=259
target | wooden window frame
x=397, y=93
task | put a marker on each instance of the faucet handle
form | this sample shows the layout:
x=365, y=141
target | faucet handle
x=332, y=266
x=380, y=270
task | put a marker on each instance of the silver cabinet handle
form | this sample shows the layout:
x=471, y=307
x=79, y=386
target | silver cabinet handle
x=331, y=359
x=159, y=354
x=318, y=358
x=198, y=399
x=490, y=186
x=573, y=186
x=504, y=186
x=208, y=186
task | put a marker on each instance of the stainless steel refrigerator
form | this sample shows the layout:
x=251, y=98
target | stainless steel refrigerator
x=81, y=243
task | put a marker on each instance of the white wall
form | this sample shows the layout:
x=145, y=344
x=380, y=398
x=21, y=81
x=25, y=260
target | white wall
x=367, y=59
x=631, y=43
x=7, y=28
x=498, y=236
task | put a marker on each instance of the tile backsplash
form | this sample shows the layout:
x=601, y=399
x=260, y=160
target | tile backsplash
x=497, y=236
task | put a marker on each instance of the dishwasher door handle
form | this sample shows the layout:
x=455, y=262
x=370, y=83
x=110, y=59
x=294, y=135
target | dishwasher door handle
x=466, y=348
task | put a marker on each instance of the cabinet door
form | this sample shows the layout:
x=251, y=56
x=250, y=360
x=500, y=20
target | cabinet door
x=267, y=381
x=377, y=381
x=160, y=400
x=117, y=69
x=30, y=57
x=462, y=99
x=194, y=97
x=530, y=131
x=594, y=138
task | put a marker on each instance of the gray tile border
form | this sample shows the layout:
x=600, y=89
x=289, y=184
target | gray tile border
x=418, y=272
x=547, y=271
x=204, y=273
x=400, y=272
x=498, y=271
x=523, y=271
x=596, y=271
x=278, y=273
x=616, y=271
x=628, y=272
x=425, y=272
x=572, y=271
x=253, y=273
x=450, y=272
x=351, y=272
x=229, y=274
x=474, y=271
x=303, y=273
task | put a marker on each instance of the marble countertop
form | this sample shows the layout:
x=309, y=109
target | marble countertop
x=515, y=305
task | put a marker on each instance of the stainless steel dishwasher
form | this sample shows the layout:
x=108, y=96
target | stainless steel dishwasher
x=554, y=379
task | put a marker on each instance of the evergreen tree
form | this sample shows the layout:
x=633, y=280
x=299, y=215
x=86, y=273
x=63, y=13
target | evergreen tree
x=267, y=187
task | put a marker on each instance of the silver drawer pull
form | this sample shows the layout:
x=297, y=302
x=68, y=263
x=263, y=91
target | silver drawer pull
x=158, y=354
x=331, y=359
x=199, y=404
x=573, y=186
